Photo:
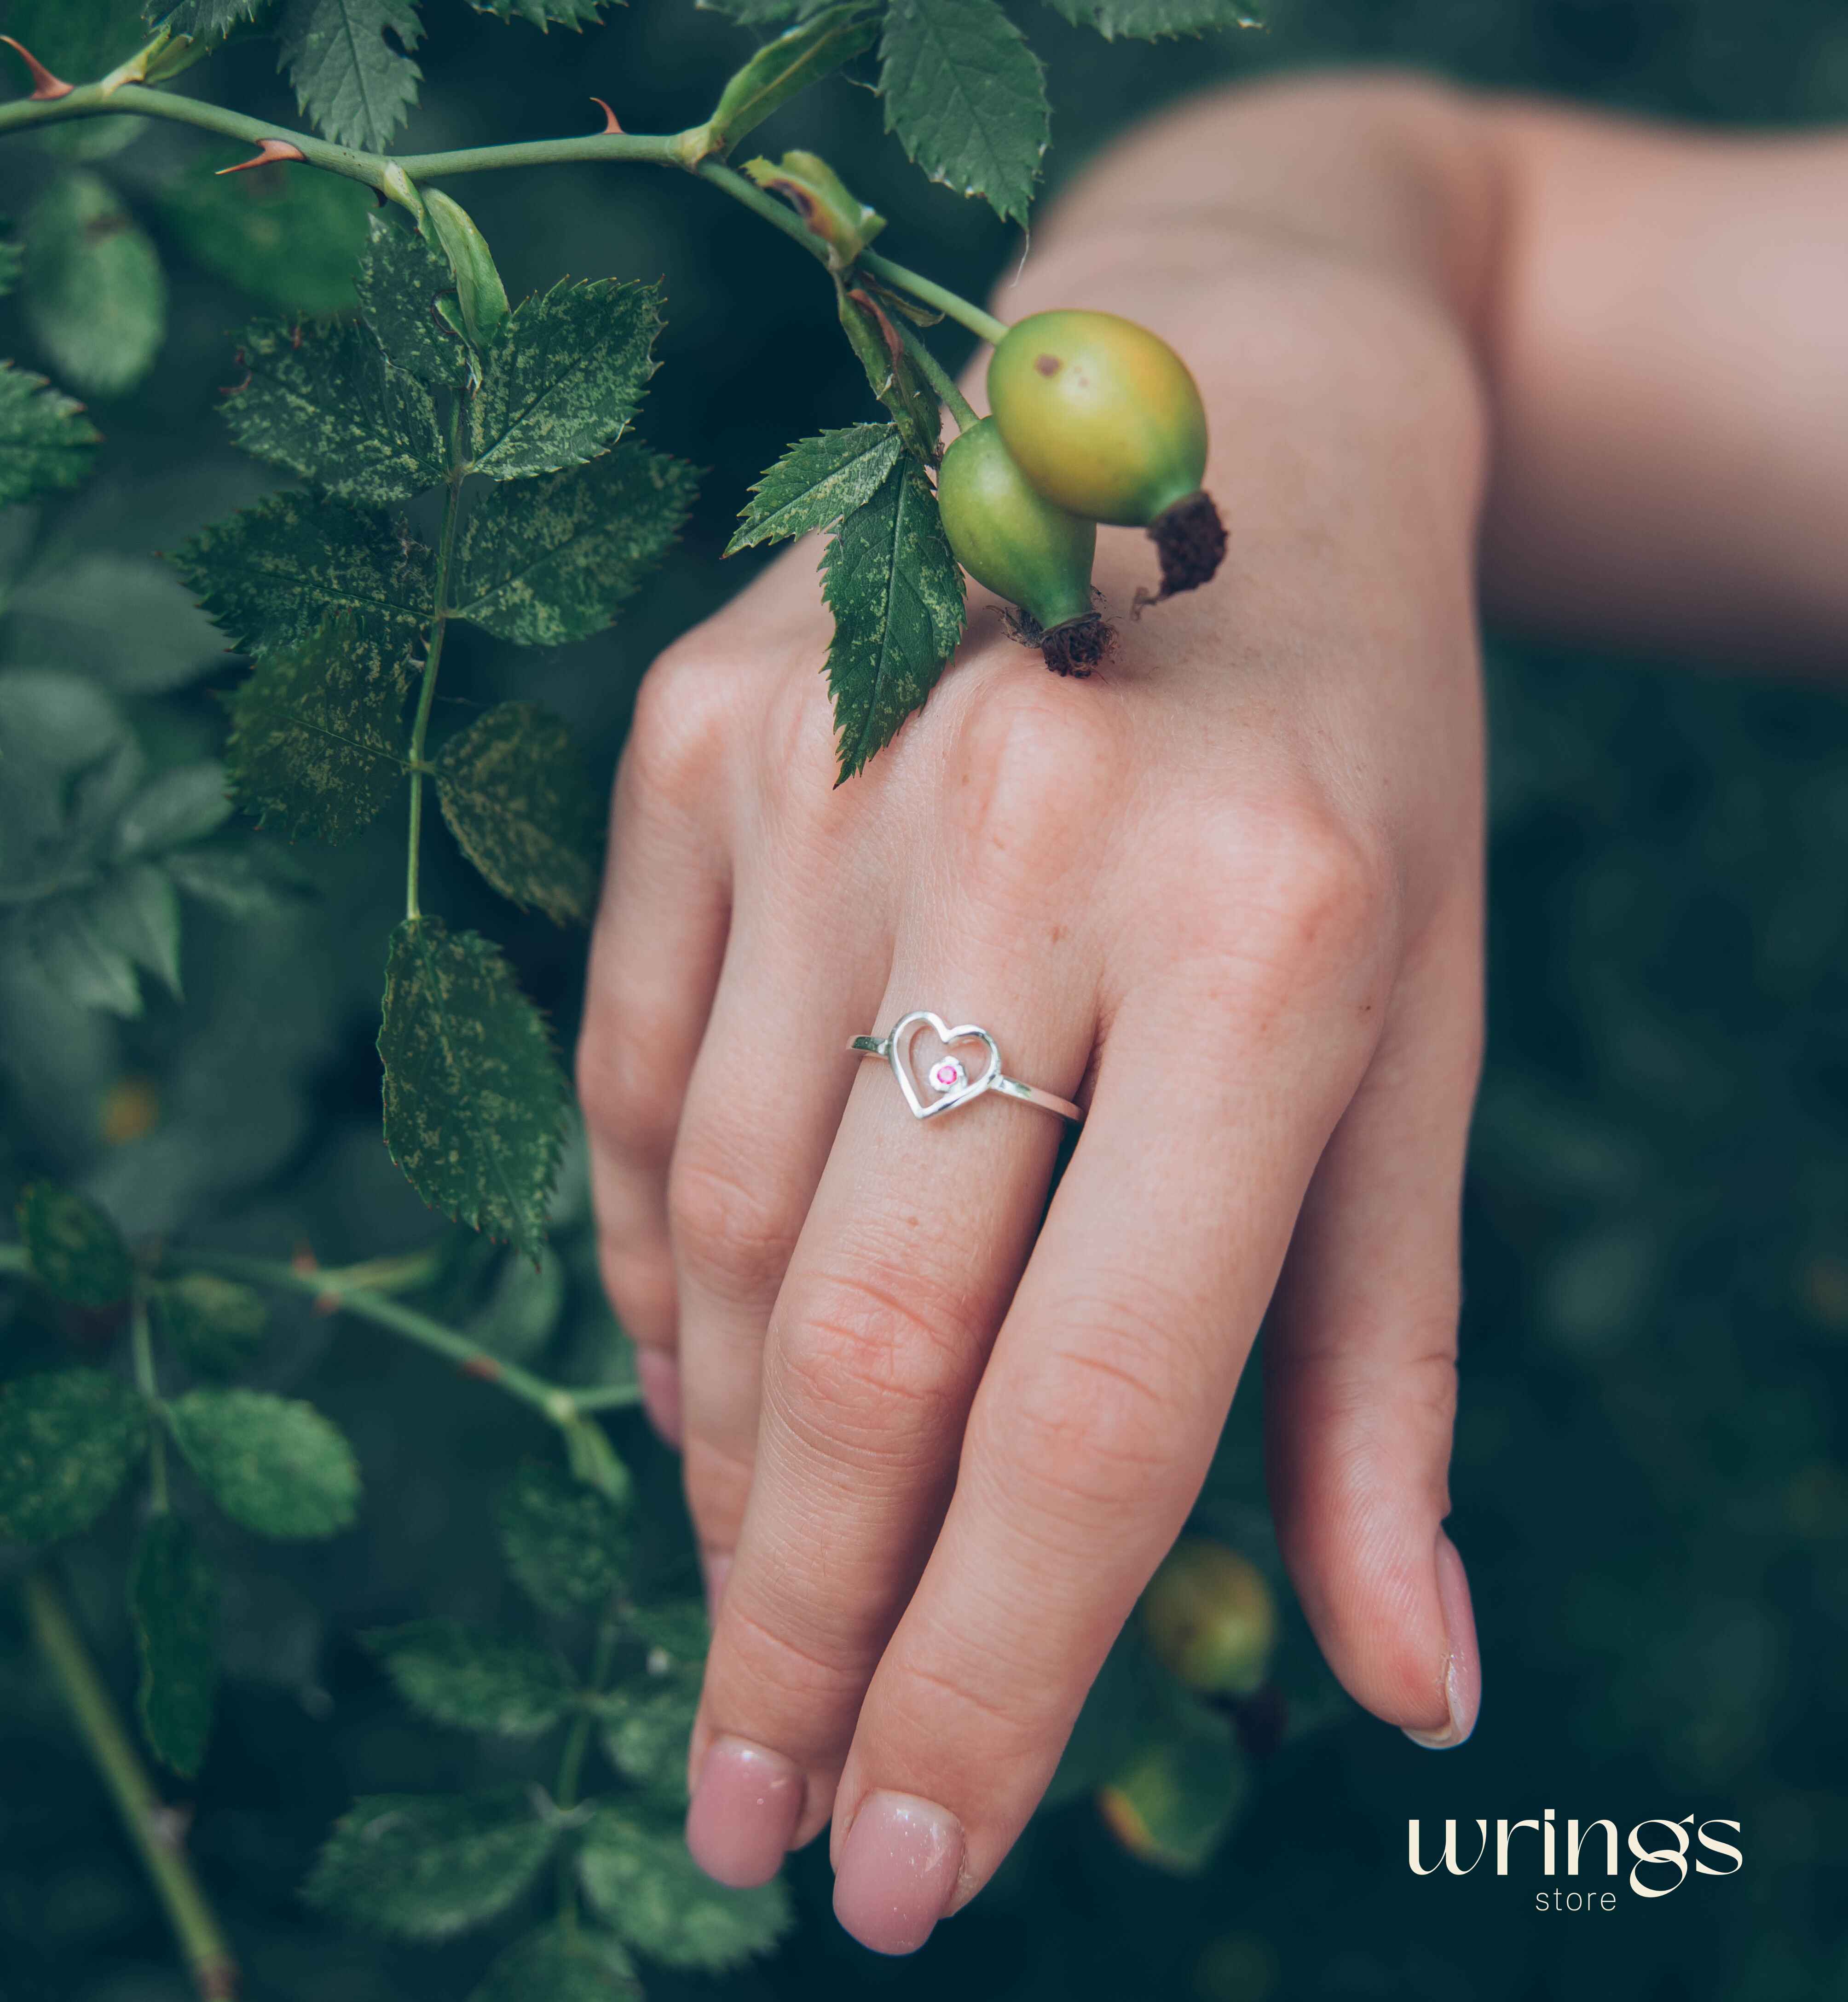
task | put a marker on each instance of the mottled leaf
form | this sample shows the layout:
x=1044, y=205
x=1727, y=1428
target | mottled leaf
x=474, y=1098
x=545, y=14
x=205, y=18
x=428, y=1866
x=1146, y=20
x=458, y=1676
x=173, y=1601
x=639, y=1878
x=356, y=85
x=565, y=1543
x=67, y=1443
x=278, y=234
x=74, y=1250
x=646, y=1724
x=544, y=564
x=45, y=439
x=324, y=401
x=275, y=1465
x=94, y=295
x=816, y=482
x=967, y=98
x=400, y=279
x=563, y=377
x=897, y=597
x=815, y=47
x=518, y=800
x=214, y=1325
x=561, y=1964
x=316, y=733
x=279, y=570
x=183, y=803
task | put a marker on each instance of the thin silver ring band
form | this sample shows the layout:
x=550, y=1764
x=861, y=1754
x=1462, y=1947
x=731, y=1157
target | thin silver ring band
x=948, y=1078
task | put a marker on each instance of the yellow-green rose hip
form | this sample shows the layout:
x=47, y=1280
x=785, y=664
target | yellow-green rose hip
x=1210, y=1618
x=1103, y=418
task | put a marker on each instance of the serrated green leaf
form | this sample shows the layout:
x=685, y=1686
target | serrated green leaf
x=355, y=85
x=546, y=564
x=563, y=378
x=647, y=1726
x=324, y=401
x=640, y=1880
x=428, y=1866
x=74, y=1251
x=897, y=598
x=127, y=621
x=287, y=238
x=1148, y=20
x=967, y=98
x=758, y=13
x=214, y=1325
x=561, y=1964
x=544, y=14
x=87, y=943
x=474, y=1098
x=173, y=1602
x=565, y=1543
x=67, y=1443
x=400, y=279
x=816, y=482
x=94, y=295
x=71, y=763
x=182, y=804
x=315, y=732
x=46, y=440
x=235, y=883
x=205, y=19
x=458, y=1676
x=815, y=47
x=520, y=805
x=277, y=1466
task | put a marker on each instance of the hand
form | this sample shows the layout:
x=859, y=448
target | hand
x=1227, y=894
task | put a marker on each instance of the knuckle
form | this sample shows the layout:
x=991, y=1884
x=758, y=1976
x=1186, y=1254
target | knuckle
x=1327, y=889
x=628, y=1100
x=718, y=1479
x=677, y=735
x=736, y=1237
x=639, y=1279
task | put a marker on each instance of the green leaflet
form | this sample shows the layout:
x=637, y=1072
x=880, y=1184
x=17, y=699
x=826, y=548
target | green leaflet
x=474, y=1097
x=541, y=565
x=428, y=1866
x=315, y=732
x=45, y=439
x=544, y=14
x=815, y=47
x=207, y=18
x=643, y=1884
x=565, y=1543
x=276, y=572
x=557, y=1964
x=520, y=805
x=183, y=804
x=74, y=1251
x=897, y=597
x=71, y=764
x=89, y=943
x=324, y=401
x=646, y=1726
x=816, y=482
x=458, y=1676
x=173, y=1602
x=400, y=279
x=67, y=1443
x=830, y=209
x=563, y=378
x=274, y=1465
x=480, y=297
x=214, y=1326
x=284, y=237
x=128, y=619
x=94, y=294
x=1146, y=20
x=891, y=373
x=353, y=84
x=967, y=98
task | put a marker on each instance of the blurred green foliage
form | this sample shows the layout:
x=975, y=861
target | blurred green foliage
x=1649, y=1483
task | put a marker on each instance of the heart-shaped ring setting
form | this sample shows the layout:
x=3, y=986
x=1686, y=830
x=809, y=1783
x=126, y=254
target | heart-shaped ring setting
x=948, y=1078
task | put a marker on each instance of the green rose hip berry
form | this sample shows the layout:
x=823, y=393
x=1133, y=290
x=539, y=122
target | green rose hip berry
x=1103, y=418
x=1210, y=1618
x=1010, y=537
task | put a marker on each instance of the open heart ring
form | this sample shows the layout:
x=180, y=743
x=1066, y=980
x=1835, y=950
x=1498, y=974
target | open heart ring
x=949, y=1080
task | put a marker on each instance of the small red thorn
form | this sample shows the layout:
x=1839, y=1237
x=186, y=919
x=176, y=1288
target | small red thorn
x=611, y=123
x=44, y=86
x=237, y=389
x=483, y=1369
x=270, y=149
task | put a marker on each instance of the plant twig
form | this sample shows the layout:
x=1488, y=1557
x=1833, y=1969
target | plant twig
x=149, y=1823
x=571, y=1764
x=433, y=655
x=937, y=376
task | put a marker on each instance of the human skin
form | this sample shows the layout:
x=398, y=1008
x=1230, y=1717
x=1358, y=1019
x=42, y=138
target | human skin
x=1227, y=893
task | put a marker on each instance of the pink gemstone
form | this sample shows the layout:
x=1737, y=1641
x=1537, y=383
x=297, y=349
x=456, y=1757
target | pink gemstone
x=946, y=1075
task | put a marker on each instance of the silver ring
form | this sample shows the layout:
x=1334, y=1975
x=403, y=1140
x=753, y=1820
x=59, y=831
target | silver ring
x=948, y=1078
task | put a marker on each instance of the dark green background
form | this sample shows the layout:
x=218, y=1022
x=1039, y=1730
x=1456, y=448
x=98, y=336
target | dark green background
x=1647, y=1485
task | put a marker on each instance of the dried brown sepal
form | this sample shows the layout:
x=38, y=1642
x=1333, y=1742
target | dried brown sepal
x=1189, y=539
x=1071, y=650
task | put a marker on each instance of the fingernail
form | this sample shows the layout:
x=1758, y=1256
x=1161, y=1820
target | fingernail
x=744, y=1812
x=1462, y=1666
x=716, y=1566
x=897, y=1872
x=657, y=1377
